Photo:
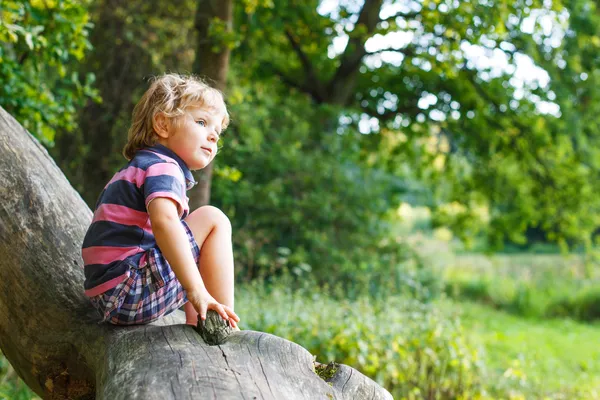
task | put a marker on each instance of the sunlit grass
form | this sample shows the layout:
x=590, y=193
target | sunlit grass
x=540, y=357
x=545, y=286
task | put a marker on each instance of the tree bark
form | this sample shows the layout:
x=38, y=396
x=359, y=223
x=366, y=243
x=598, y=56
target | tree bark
x=212, y=62
x=342, y=86
x=49, y=331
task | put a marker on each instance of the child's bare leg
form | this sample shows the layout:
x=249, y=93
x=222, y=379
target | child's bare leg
x=212, y=231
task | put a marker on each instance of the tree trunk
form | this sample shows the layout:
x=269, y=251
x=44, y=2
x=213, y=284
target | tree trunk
x=48, y=329
x=120, y=65
x=212, y=62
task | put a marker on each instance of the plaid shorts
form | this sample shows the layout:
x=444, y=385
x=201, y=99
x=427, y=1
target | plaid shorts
x=150, y=292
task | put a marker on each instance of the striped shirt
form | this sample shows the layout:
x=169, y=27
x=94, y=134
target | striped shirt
x=121, y=232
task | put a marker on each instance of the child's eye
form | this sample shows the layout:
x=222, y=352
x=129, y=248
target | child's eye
x=201, y=122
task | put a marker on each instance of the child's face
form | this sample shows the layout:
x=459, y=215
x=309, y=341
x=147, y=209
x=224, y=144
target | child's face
x=195, y=138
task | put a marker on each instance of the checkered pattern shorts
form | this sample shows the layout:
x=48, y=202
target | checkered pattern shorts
x=150, y=292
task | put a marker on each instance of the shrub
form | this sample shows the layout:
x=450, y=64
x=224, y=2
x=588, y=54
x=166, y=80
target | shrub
x=583, y=305
x=531, y=286
x=407, y=346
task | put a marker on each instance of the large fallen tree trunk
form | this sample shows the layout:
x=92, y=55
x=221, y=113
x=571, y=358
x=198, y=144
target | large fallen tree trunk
x=49, y=331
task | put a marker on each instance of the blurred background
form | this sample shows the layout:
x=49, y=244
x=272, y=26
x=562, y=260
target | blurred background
x=413, y=184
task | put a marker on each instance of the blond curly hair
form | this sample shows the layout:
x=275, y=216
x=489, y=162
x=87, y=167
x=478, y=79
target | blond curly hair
x=170, y=94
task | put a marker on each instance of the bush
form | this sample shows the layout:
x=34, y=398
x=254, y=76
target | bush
x=407, y=346
x=42, y=45
x=531, y=286
x=583, y=305
x=527, y=299
x=11, y=386
x=301, y=197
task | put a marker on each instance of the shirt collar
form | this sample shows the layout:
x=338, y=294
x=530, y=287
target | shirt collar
x=189, y=178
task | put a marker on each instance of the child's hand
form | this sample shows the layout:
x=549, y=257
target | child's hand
x=203, y=301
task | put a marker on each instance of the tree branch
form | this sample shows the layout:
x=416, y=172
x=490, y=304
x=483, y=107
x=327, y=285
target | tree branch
x=410, y=15
x=407, y=51
x=309, y=71
x=388, y=115
x=303, y=87
x=342, y=84
x=485, y=95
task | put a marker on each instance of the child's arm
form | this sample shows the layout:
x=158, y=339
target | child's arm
x=174, y=244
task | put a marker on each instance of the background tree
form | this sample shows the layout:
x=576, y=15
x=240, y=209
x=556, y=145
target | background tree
x=408, y=74
x=39, y=83
x=213, y=25
x=132, y=42
x=402, y=111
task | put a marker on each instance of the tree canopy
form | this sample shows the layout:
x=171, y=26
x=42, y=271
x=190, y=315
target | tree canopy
x=340, y=112
x=416, y=80
x=41, y=42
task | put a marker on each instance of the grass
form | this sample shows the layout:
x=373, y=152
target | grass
x=529, y=285
x=556, y=358
x=513, y=357
x=543, y=286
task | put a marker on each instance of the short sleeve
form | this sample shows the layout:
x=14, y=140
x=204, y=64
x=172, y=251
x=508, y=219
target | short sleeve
x=165, y=179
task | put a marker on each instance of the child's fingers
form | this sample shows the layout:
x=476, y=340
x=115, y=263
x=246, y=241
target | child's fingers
x=203, y=310
x=219, y=308
x=231, y=313
x=199, y=307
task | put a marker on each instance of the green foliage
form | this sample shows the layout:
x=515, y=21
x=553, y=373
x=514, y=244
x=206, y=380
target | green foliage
x=531, y=358
x=527, y=285
x=11, y=386
x=133, y=41
x=537, y=171
x=326, y=371
x=494, y=145
x=41, y=43
x=301, y=201
x=408, y=347
x=476, y=141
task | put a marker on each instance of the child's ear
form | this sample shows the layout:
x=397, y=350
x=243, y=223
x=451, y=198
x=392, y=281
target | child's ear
x=161, y=125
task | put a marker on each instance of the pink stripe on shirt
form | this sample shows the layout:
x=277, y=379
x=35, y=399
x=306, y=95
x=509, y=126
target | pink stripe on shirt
x=137, y=175
x=163, y=157
x=106, y=285
x=107, y=254
x=181, y=206
x=122, y=215
x=131, y=174
x=164, y=169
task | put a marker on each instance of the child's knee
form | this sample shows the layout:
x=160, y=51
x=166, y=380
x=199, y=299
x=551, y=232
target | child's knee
x=216, y=217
